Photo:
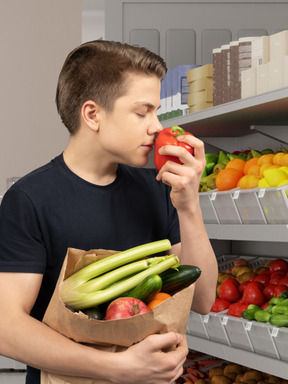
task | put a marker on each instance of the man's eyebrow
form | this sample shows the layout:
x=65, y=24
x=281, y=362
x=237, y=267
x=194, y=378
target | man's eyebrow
x=146, y=104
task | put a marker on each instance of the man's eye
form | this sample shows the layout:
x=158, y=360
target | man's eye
x=141, y=115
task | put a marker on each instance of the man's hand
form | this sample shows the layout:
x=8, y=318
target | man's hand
x=153, y=360
x=183, y=178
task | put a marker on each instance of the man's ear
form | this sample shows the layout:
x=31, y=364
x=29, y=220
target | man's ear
x=90, y=114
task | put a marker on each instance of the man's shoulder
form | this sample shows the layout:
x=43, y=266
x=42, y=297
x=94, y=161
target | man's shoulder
x=41, y=176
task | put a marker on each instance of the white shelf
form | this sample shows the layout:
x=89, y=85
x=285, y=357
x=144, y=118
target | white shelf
x=254, y=232
x=275, y=367
x=236, y=118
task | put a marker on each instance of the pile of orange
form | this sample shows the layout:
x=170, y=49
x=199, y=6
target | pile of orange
x=158, y=299
x=247, y=174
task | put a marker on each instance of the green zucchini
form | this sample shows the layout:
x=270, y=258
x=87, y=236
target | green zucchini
x=174, y=280
x=145, y=290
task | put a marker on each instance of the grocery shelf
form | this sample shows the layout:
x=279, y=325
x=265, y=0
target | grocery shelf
x=236, y=118
x=254, y=232
x=262, y=363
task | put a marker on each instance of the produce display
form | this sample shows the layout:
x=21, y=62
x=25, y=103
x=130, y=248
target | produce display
x=204, y=369
x=168, y=136
x=245, y=170
x=127, y=283
x=259, y=294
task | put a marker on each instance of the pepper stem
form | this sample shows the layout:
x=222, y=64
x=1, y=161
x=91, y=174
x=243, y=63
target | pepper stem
x=176, y=128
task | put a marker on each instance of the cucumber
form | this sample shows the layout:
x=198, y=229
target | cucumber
x=174, y=280
x=145, y=290
x=279, y=320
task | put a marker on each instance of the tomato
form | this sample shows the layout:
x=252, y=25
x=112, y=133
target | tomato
x=284, y=281
x=220, y=305
x=269, y=291
x=243, y=285
x=253, y=294
x=278, y=289
x=276, y=277
x=237, y=308
x=229, y=290
x=262, y=278
x=278, y=265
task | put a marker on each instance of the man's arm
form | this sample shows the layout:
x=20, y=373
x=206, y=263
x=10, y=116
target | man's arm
x=25, y=339
x=195, y=248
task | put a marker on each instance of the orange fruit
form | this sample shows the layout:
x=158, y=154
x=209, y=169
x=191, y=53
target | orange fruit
x=158, y=299
x=277, y=159
x=248, y=181
x=154, y=303
x=249, y=163
x=254, y=170
x=236, y=164
x=161, y=296
x=242, y=182
x=228, y=179
x=264, y=159
x=284, y=160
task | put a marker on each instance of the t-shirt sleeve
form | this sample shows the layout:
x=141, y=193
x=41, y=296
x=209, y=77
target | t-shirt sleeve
x=21, y=245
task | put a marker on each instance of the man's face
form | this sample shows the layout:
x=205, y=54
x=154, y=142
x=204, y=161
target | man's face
x=127, y=134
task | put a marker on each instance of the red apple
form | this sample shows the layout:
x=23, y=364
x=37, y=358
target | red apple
x=124, y=307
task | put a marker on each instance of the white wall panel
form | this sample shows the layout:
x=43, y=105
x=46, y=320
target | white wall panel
x=189, y=30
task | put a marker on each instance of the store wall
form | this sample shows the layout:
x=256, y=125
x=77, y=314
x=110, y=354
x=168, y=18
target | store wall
x=185, y=32
x=35, y=37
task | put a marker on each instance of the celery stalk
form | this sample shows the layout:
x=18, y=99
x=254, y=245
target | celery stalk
x=80, y=301
x=114, y=261
x=103, y=281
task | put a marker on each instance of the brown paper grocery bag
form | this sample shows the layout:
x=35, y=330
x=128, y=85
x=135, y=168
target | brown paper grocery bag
x=112, y=335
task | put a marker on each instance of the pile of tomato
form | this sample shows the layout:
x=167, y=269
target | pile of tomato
x=270, y=281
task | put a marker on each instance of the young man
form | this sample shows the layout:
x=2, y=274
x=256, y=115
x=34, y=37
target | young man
x=96, y=195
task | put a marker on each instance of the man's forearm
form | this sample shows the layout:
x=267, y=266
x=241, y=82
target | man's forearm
x=196, y=249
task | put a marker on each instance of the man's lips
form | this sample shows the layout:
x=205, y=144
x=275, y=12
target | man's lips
x=148, y=146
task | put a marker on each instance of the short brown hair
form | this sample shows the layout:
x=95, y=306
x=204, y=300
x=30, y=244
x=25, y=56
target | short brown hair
x=97, y=71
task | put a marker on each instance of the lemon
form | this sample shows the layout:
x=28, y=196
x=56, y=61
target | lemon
x=285, y=169
x=274, y=176
x=283, y=182
x=262, y=183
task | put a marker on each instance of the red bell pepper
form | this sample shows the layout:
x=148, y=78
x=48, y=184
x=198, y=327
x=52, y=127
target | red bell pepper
x=168, y=136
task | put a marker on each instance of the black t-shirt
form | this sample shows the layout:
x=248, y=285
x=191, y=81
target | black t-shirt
x=52, y=209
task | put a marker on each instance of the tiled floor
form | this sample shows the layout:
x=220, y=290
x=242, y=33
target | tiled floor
x=12, y=377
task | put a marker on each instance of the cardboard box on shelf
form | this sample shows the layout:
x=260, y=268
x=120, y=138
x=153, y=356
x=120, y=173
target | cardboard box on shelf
x=200, y=84
x=279, y=45
x=200, y=72
x=248, y=83
x=276, y=74
x=204, y=96
x=225, y=73
x=262, y=74
x=260, y=51
x=235, y=83
x=217, y=76
x=285, y=71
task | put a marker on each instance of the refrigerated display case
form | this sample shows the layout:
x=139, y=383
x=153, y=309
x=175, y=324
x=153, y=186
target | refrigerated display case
x=257, y=345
